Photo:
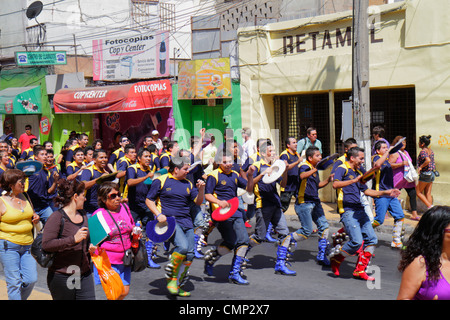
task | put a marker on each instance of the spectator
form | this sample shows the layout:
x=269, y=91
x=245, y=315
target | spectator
x=398, y=162
x=16, y=236
x=72, y=247
x=424, y=262
x=378, y=134
x=249, y=146
x=425, y=169
x=121, y=223
x=308, y=141
x=24, y=139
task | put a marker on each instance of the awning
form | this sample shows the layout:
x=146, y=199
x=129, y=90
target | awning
x=129, y=97
x=21, y=100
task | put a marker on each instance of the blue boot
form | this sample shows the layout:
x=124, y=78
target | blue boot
x=322, y=254
x=198, y=247
x=211, y=256
x=151, y=252
x=269, y=237
x=280, y=266
x=235, y=273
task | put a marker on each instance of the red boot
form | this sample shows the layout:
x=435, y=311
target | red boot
x=361, y=265
x=336, y=263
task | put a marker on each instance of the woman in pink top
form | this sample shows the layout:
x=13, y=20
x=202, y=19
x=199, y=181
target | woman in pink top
x=121, y=223
x=425, y=267
x=398, y=162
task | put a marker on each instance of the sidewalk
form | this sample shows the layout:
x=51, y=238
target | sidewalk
x=330, y=213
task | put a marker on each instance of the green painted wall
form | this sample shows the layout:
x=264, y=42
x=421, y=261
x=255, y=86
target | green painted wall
x=24, y=77
x=189, y=118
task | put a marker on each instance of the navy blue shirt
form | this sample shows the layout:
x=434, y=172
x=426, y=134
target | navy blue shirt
x=164, y=160
x=138, y=193
x=89, y=174
x=349, y=196
x=37, y=190
x=265, y=194
x=384, y=178
x=293, y=180
x=173, y=198
x=309, y=187
x=224, y=186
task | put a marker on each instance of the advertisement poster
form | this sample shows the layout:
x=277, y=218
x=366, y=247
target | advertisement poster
x=24, y=100
x=131, y=57
x=204, y=79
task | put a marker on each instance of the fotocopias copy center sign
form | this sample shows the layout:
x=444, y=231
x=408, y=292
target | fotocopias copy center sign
x=131, y=57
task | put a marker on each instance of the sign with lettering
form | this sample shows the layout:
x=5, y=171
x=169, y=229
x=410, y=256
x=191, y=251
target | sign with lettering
x=322, y=40
x=40, y=58
x=109, y=99
x=131, y=57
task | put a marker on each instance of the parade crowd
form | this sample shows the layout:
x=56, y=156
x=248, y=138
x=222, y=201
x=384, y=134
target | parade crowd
x=212, y=186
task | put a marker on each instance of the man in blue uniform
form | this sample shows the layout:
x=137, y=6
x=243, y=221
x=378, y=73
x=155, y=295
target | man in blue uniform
x=293, y=159
x=170, y=195
x=222, y=185
x=269, y=209
x=356, y=222
x=89, y=176
x=384, y=180
x=39, y=188
x=308, y=205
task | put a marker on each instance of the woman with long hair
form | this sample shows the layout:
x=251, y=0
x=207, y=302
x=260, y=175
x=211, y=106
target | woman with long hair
x=66, y=234
x=425, y=262
x=425, y=168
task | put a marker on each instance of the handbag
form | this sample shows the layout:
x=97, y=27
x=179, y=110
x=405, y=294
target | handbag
x=111, y=282
x=42, y=257
x=140, y=257
x=409, y=173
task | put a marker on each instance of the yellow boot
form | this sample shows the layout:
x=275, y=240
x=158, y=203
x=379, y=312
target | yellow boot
x=172, y=269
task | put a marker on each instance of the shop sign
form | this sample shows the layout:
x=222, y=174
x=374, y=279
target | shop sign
x=131, y=57
x=204, y=79
x=108, y=99
x=40, y=58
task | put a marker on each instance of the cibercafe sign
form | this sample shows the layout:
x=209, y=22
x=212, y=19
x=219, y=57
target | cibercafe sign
x=322, y=40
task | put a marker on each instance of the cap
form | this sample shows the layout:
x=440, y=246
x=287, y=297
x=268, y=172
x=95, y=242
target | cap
x=154, y=132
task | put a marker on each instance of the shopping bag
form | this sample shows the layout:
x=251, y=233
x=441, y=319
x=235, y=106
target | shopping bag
x=111, y=282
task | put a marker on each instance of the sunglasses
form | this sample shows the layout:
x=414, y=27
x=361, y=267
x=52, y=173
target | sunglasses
x=114, y=195
x=446, y=230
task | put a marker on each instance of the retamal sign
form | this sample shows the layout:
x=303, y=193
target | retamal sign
x=204, y=79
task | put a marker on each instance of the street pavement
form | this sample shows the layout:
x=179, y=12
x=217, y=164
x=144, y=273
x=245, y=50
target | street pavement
x=150, y=284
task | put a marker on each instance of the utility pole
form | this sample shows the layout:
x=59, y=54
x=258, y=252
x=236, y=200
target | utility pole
x=360, y=83
x=76, y=55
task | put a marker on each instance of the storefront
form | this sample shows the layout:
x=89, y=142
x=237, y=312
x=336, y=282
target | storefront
x=134, y=109
x=24, y=101
x=298, y=73
x=207, y=98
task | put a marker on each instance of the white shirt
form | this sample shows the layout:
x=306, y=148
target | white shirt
x=249, y=148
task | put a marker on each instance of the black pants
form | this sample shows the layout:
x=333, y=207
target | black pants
x=412, y=198
x=62, y=288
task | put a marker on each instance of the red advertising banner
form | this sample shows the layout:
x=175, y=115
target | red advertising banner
x=122, y=98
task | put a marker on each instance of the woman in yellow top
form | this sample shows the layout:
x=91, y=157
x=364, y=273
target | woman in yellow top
x=16, y=224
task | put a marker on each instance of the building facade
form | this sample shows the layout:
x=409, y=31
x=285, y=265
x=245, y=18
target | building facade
x=298, y=73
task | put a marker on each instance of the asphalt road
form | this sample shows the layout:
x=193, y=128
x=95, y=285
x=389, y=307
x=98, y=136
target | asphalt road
x=312, y=282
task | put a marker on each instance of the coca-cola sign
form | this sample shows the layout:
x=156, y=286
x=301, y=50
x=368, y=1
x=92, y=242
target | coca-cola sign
x=130, y=97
